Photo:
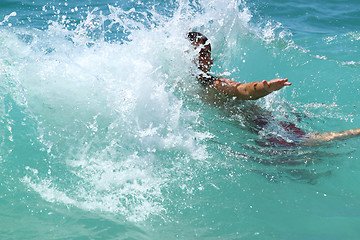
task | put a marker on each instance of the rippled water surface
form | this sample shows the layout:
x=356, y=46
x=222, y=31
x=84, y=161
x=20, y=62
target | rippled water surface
x=105, y=133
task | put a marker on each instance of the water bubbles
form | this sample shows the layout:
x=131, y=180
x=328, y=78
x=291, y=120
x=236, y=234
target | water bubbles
x=110, y=90
x=6, y=19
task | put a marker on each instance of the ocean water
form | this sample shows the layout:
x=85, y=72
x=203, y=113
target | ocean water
x=105, y=134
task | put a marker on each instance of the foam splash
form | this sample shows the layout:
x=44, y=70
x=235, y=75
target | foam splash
x=6, y=19
x=107, y=112
x=110, y=116
x=127, y=188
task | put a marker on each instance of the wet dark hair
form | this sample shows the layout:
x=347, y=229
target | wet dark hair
x=198, y=38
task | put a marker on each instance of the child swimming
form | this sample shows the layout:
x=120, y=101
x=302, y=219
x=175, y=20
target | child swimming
x=254, y=91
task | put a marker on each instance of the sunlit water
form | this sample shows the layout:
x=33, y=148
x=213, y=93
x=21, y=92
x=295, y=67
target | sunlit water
x=105, y=133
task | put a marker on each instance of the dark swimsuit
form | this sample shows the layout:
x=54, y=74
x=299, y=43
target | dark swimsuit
x=295, y=134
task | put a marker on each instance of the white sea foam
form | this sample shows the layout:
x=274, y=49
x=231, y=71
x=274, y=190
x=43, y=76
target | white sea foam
x=6, y=18
x=109, y=113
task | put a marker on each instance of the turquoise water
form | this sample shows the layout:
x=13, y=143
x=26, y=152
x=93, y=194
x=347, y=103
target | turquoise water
x=106, y=135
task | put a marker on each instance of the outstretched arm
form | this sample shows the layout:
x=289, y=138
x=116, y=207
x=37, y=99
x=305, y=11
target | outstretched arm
x=329, y=136
x=248, y=91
